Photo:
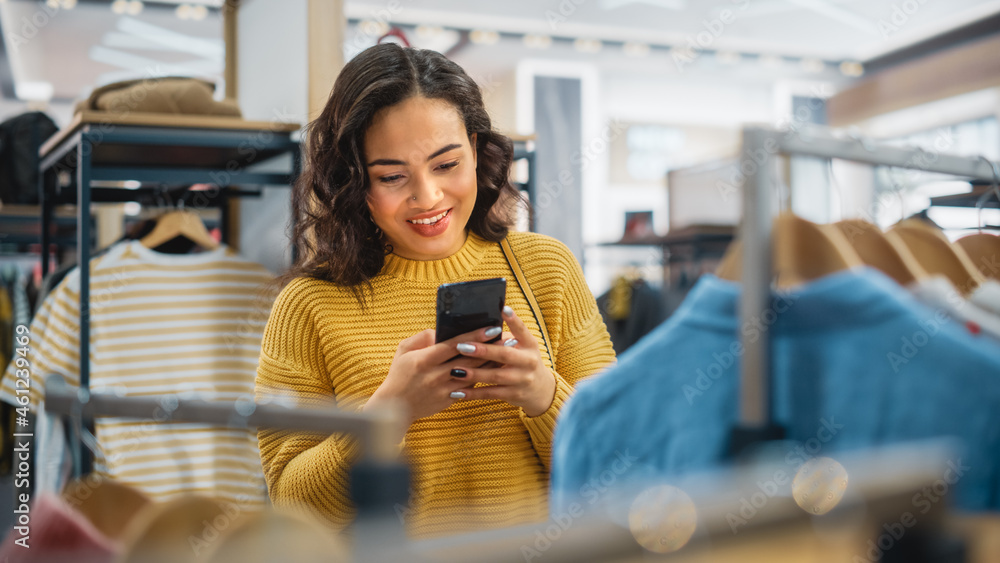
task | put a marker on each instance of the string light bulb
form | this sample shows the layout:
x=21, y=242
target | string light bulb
x=374, y=28
x=814, y=66
x=429, y=31
x=728, y=58
x=852, y=68
x=588, y=45
x=634, y=49
x=484, y=37
x=533, y=41
x=771, y=61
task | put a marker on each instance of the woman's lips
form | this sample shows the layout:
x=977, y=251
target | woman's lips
x=433, y=229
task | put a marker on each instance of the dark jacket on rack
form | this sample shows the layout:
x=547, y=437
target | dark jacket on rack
x=631, y=309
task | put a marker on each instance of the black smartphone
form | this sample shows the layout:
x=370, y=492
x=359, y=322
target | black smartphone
x=466, y=306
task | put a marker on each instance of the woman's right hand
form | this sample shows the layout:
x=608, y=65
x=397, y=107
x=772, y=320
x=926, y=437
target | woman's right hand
x=420, y=376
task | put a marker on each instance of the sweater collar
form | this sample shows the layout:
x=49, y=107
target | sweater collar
x=446, y=269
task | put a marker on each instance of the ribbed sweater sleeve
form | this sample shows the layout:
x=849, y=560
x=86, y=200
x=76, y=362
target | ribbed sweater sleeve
x=303, y=469
x=580, y=342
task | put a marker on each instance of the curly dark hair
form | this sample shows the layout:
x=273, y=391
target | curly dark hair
x=334, y=235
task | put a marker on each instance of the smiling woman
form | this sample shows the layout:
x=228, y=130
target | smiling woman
x=406, y=188
x=430, y=195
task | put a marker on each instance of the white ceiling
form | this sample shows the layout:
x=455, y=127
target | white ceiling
x=831, y=29
x=75, y=49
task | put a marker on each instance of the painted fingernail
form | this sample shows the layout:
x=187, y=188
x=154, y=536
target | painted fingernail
x=511, y=342
x=507, y=311
x=466, y=348
x=493, y=331
x=457, y=395
x=458, y=372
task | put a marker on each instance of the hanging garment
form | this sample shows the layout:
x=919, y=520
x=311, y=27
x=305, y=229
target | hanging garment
x=855, y=363
x=6, y=328
x=987, y=297
x=56, y=532
x=16, y=282
x=939, y=294
x=630, y=310
x=169, y=326
x=20, y=138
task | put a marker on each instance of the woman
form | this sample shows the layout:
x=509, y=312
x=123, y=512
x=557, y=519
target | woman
x=405, y=188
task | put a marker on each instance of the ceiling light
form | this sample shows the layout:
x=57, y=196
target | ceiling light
x=852, y=68
x=52, y=3
x=199, y=12
x=533, y=41
x=728, y=57
x=183, y=11
x=134, y=8
x=771, y=61
x=587, y=45
x=132, y=208
x=374, y=28
x=634, y=49
x=484, y=37
x=119, y=6
x=429, y=31
x=68, y=4
x=33, y=91
x=684, y=54
x=814, y=66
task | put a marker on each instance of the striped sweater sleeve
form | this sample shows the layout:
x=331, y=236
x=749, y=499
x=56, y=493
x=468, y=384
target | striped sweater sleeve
x=580, y=341
x=304, y=470
x=53, y=346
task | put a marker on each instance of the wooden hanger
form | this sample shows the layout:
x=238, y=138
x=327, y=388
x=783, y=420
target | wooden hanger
x=937, y=255
x=179, y=224
x=108, y=504
x=181, y=529
x=888, y=255
x=802, y=251
x=984, y=251
x=268, y=537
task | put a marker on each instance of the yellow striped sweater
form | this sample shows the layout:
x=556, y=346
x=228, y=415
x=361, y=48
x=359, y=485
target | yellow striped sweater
x=184, y=326
x=475, y=465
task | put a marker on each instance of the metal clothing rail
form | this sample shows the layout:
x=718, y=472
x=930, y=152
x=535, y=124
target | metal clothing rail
x=374, y=430
x=379, y=481
x=761, y=146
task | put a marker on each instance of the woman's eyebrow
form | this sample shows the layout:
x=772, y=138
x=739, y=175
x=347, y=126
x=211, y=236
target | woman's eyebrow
x=437, y=153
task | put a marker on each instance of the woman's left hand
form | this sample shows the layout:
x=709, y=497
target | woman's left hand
x=520, y=378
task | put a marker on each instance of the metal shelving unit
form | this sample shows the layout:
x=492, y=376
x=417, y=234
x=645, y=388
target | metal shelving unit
x=146, y=155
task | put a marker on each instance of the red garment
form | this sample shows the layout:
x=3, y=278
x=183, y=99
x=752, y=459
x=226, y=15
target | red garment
x=55, y=532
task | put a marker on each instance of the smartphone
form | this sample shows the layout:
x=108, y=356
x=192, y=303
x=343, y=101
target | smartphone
x=467, y=306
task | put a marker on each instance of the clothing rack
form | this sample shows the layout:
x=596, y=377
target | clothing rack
x=154, y=151
x=379, y=480
x=374, y=429
x=760, y=148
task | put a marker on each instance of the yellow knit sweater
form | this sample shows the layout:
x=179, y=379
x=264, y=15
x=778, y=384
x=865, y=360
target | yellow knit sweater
x=475, y=465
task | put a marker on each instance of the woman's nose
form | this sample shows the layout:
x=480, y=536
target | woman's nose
x=426, y=193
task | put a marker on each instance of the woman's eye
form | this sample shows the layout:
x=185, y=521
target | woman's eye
x=448, y=165
x=390, y=179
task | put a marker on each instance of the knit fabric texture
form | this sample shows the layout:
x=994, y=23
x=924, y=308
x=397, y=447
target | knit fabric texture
x=475, y=465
